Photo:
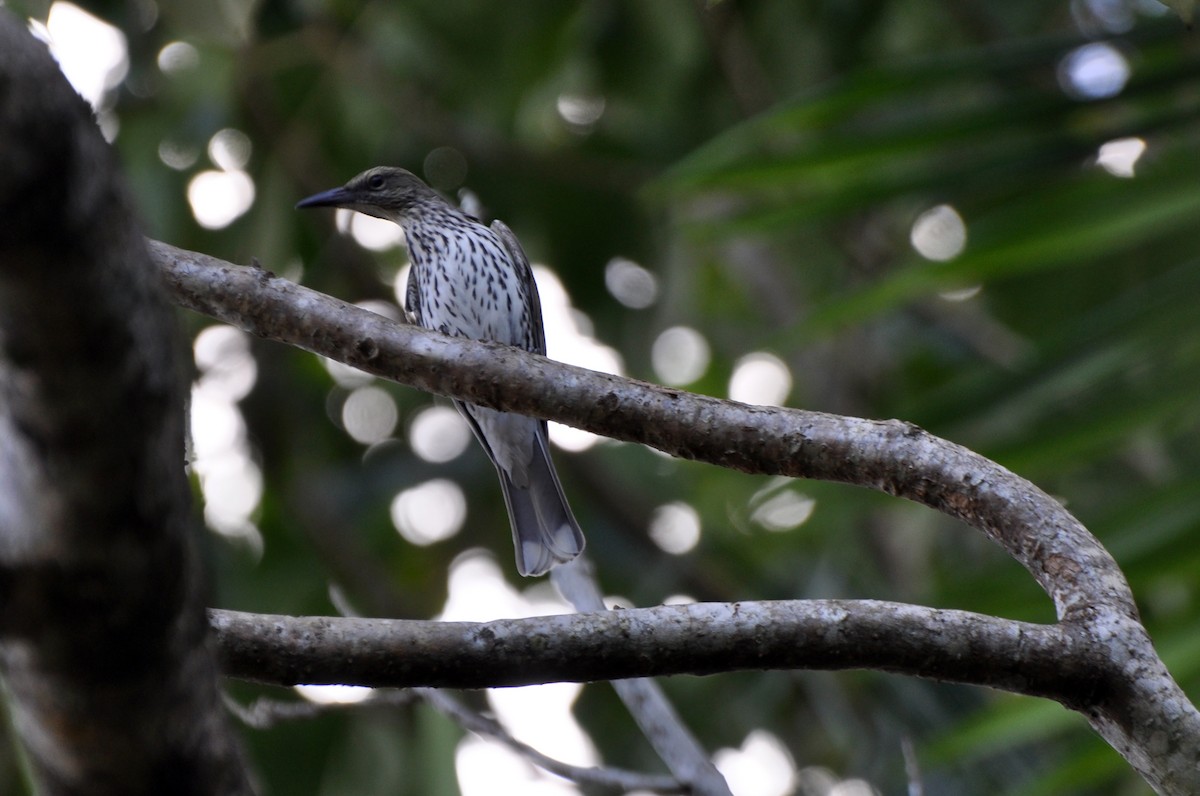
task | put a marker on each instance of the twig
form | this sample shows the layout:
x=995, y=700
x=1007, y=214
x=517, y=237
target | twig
x=604, y=777
x=644, y=699
x=264, y=713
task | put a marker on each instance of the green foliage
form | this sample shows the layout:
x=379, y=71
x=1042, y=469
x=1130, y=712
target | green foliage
x=767, y=162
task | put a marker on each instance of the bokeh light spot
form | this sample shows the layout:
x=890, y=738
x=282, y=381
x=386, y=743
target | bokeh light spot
x=939, y=234
x=91, y=53
x=760, y=378
x=178, y=56
x=679, y=355
x=445, y=168
x=960, y=294
x=218, y=198
x=580, y=112
x=222, y=355
x=1094, y=71
x=569, y=339
x=540, y=716
x=344, y=375
x=630, y=283
x=376, y=234
x=334, y=694
x=177, y=156
x=230, y=480
x=229, y=149
x=369, y=414
x=429, y=512
x=783, y=511
x=675, y=528
x=438, y=434
x=1120, y=157
x=761, y=767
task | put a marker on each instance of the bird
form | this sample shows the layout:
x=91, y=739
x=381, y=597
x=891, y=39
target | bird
x=474, y=281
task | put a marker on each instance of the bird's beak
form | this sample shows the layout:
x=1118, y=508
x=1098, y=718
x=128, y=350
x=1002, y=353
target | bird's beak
x=336, y=197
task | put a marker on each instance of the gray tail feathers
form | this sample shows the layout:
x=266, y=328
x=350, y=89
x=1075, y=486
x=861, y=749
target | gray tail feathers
x=545, y=532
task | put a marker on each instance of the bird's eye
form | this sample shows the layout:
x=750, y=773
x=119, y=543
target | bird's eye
x=375, y=182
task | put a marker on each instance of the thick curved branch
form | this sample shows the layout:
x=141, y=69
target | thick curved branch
x=894, y=457
x=1129, y=697
x=111, y=686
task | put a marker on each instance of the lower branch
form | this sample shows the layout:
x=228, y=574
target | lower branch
x=703, y=638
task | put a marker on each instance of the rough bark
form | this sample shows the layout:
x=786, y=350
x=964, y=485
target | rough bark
x=704, y=638
x=103, y=651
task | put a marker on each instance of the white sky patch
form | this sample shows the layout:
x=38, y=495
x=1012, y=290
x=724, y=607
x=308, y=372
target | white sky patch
x=222, y=355
x=761, y=767
x=760, y=378
x=230, y=480
x=334, y=694
x=345, y=375
x=376, y=234
x=485, y=767
x=400, y=285
x=91, y=53
x=820, y=780
x=1120, y=157
x=569, y=339
x=380, y=307
x=538, y=715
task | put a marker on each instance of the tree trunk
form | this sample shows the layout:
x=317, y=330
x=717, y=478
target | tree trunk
x=103, y=644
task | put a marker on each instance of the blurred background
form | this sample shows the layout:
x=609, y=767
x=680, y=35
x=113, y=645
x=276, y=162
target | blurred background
x=978, y=217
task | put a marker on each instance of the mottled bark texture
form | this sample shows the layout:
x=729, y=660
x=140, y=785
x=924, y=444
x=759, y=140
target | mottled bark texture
x=1098, y=659
x=103, y=650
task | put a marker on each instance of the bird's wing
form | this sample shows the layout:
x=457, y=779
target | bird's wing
x=412, y=298
x=525, y=275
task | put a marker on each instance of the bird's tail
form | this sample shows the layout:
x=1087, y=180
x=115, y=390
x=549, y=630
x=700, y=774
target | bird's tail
x=545, y=532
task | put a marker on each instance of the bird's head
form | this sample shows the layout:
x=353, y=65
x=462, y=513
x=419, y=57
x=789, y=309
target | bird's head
x=383, y=192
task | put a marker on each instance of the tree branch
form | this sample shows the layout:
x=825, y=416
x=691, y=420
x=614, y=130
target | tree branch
x=890, y=456
x=699, y=639
x=102, y=636
x=1118, y=681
